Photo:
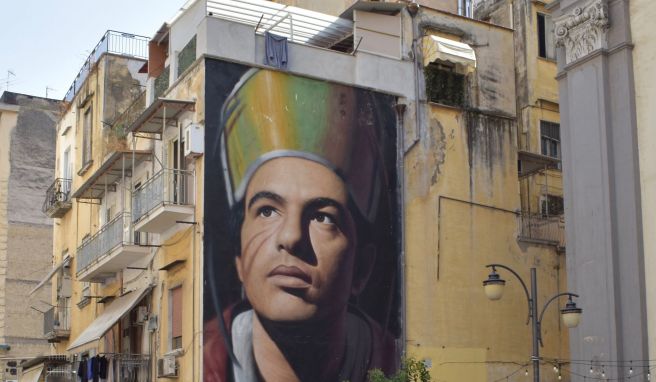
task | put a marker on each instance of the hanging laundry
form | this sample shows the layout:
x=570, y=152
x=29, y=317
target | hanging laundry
x=82, y=371
x=102, y=367
x=276, y=50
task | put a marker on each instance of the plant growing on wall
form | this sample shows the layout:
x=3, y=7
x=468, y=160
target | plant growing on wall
x=412, y=370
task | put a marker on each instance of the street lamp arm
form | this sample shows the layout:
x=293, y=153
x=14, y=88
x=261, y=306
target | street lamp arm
x=544, y=308
x=529, y=300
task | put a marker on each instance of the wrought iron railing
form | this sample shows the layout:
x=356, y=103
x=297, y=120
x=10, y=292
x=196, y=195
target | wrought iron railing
x=56, y=319
x=58, y=192
x=550, y=229
x=132, y=367
x=111, y=235
x=167, y=187
x=126, y=44
x=60, y=373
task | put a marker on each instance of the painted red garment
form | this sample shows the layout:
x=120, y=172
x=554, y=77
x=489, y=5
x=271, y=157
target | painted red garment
x=218, y=368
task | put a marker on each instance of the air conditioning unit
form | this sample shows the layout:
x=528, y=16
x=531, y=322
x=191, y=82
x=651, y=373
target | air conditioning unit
x=166, y=366
x=194, y=138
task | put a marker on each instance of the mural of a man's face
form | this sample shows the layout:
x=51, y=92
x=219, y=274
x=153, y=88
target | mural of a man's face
x=298, y=242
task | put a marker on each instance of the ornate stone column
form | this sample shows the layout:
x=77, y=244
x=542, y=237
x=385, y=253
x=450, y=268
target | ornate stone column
x=582, y=30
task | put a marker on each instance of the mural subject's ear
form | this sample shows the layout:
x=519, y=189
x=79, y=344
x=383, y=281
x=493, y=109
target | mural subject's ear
x=238, y=265
x=365, y=258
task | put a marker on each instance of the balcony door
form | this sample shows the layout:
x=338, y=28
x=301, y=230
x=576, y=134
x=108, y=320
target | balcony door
x=179, y=189
x=67, y=171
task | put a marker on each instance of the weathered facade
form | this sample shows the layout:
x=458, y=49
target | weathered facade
x=27, y=125
x=605, y=85
x=132, y=229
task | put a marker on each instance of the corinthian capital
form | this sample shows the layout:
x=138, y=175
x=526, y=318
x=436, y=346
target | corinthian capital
x=582, y=30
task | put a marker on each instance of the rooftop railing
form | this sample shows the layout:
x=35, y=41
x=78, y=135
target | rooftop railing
x=297, y=24
x=125, y=44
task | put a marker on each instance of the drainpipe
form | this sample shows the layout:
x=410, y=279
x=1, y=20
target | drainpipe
x=413, y=10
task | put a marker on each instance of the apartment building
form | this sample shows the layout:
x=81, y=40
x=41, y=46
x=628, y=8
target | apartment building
x=148, y=273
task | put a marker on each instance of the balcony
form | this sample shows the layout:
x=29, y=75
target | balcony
x=57, y=324
x=132, y=367
x=58, y=198
x=110, y=250
x=543, y=229
x=163, y=200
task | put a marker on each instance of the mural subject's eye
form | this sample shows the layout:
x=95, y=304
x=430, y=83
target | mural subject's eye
x=266, y=211
x=323, y=218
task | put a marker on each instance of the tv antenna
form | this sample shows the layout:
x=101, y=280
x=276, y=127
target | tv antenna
x=9, y=73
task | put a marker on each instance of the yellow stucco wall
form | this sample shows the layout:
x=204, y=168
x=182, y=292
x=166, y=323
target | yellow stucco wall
x=463, y=219
x=642, y=15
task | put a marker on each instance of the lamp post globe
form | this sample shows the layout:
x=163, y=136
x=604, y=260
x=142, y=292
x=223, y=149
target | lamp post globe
x=494, y=286
x=571, y=314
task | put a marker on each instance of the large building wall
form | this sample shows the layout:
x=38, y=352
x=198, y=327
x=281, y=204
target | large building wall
x=642, y=15
x=27, y=162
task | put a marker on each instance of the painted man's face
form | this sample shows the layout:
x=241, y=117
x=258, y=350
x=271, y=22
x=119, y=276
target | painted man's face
x=298, y=242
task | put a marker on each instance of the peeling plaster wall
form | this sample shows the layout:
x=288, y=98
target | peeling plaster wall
x=27, y=161
x=461, y=212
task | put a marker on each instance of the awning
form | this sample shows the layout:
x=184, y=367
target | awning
x=110, y=173
x=533, y=162
x=440, y=48
x=110, y=316
x=31, y=375
x=162, y=111
x=52, y=272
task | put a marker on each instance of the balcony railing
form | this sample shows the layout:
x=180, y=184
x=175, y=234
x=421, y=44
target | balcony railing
x=57, y=323
x=132, y=367
x=167, y=187
x=58, y=198
x=125, y=44
x=60, y=373
x=110, y=236
x=547, y=229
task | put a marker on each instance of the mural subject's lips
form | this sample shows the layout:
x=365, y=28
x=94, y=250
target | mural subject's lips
x=290, y=277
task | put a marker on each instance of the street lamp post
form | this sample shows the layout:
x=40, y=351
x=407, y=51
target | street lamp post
x=571, y=313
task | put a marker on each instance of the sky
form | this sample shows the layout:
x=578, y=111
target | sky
x=45, y=42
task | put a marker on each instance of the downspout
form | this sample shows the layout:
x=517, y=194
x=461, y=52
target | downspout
x=413, y=9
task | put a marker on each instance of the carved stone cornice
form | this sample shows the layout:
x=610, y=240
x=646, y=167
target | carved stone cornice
x=583, y=30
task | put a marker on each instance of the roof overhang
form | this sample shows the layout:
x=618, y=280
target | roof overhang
x=119, y=164
x=162, y=112
x=109, y=317
x=444, y=49
x=533, y=162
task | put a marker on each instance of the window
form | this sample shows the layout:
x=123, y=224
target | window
x=87, y=137
x=187, y=56
x=545, y=37
x=175, y=309
x=444, y=85
x=465, y=8
x=550, y=139
x=552, y=205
